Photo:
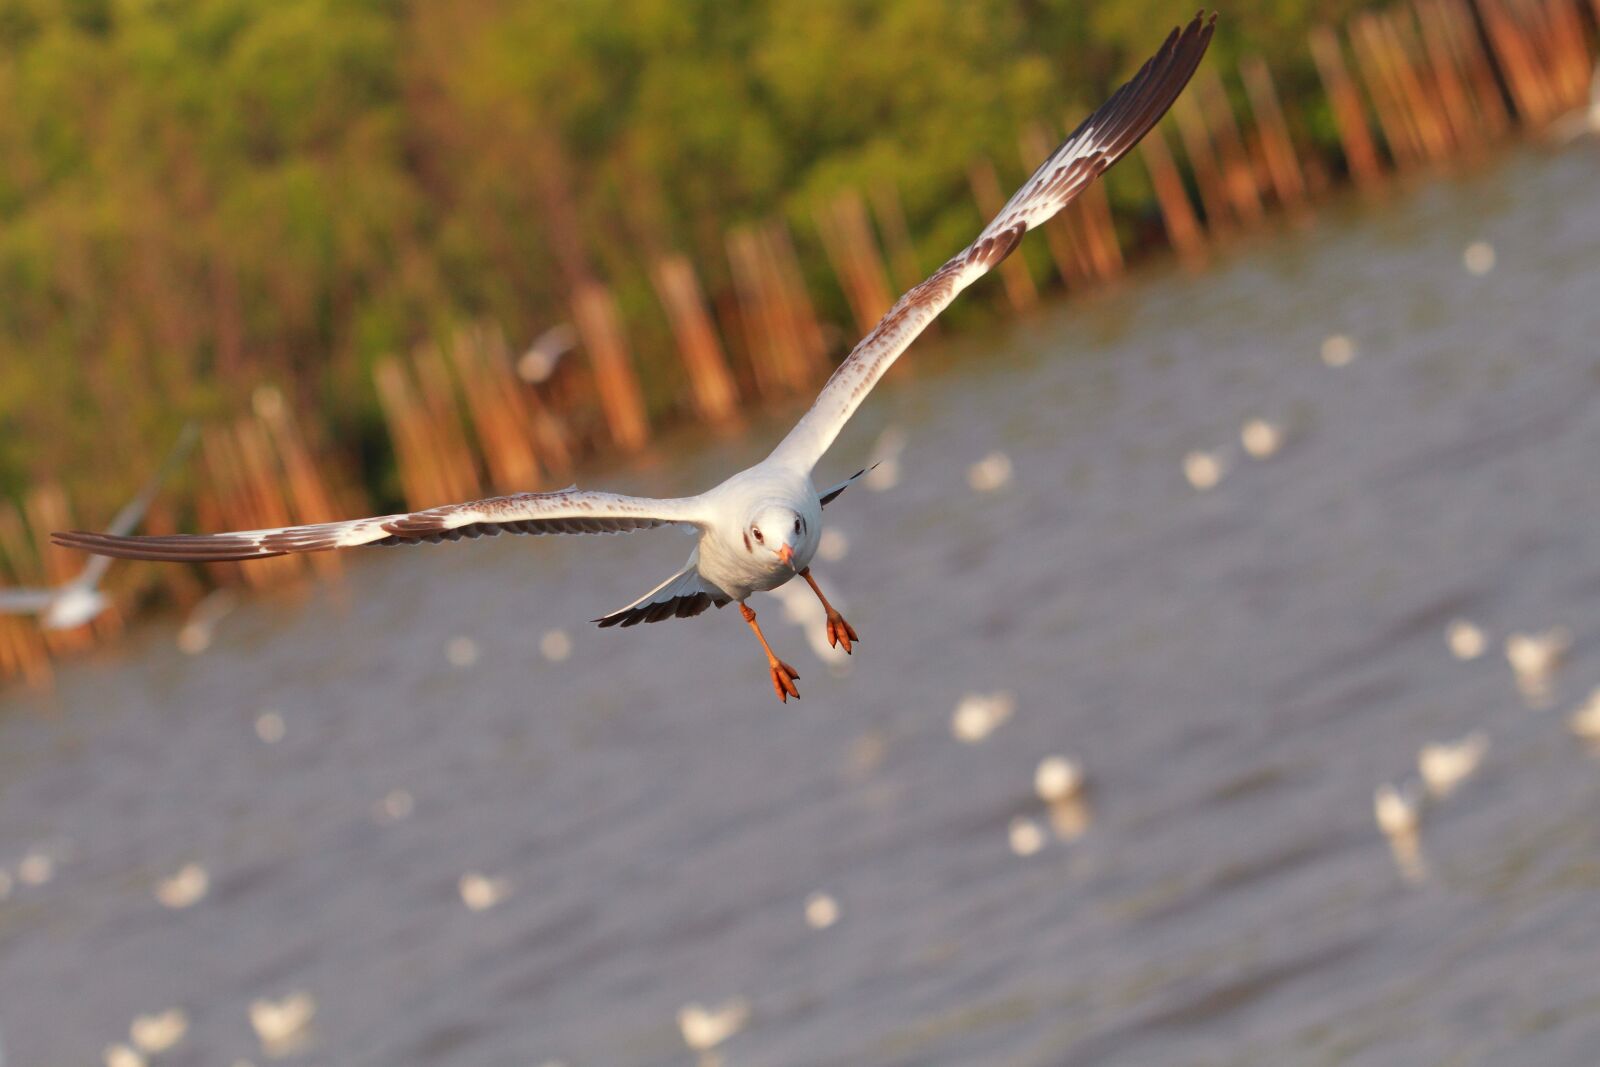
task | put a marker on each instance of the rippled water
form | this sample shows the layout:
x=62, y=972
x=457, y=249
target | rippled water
x=1236, y=670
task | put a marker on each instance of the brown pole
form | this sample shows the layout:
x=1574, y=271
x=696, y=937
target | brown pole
x=594, y=312
x=1283, y=166
x=1361, y=155
x=1177, y=213
x=716, y=399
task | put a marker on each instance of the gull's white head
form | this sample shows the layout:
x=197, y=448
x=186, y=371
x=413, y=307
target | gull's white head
x=775, y=531
x=75, y=606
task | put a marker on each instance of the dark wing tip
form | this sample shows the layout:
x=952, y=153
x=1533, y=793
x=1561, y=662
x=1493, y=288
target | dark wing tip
x=176, y=548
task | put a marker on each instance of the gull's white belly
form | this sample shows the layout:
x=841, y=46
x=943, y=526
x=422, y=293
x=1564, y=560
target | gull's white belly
x=728, y=561
x=739, y=574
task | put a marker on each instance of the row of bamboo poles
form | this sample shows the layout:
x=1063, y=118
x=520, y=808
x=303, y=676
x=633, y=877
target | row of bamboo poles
x=1411, y=86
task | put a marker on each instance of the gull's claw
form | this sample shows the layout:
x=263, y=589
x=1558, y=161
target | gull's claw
x=840, y=632
x=783, y=679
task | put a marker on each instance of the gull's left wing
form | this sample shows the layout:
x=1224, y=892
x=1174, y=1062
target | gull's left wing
x=570, y=511
x=1103, y=138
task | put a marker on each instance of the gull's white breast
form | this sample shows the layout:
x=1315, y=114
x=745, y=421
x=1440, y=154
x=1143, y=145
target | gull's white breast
x=724, y=560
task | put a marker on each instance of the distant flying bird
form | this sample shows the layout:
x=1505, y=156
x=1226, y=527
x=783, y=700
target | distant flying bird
x=1582, y=121
x=81, y=600
x=760, y=528
x=539, y=362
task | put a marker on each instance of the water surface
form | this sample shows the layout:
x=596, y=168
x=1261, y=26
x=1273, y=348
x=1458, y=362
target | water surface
x=1236, y=670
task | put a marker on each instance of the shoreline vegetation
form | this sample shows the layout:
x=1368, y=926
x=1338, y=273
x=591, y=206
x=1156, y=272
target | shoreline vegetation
x=405, y=254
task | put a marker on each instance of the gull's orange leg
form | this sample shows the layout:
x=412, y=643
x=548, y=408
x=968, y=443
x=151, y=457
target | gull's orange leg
x=783, y=675
x=839, y=631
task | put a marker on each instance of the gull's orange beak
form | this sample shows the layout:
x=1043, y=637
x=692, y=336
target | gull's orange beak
x=786, y=554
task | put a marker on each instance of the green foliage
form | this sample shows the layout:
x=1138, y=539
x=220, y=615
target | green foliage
x=198, y=196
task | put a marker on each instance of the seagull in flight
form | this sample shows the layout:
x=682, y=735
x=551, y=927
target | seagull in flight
x=81, y=600
x=760, y=528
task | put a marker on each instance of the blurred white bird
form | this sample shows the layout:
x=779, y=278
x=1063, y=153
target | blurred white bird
x=480, y=892
x=1585, y=718
x=120, y=1055
x=1583, y=121
x=1261, y=438
x=539, y=362
x=1466, y=639
x=1057, y=778
x=884, y=474
x=1398, y=812
x=283, y=1026
x=705, y=1028
x=760, y=528
x=159, y=1032
x=1399, y=815
x=1534, y=659
x=1445, y=765
x=185, y=888
x=979, y=714
x=81, y=600
x=990, y=473
x=194, y=637
x=1204, y=469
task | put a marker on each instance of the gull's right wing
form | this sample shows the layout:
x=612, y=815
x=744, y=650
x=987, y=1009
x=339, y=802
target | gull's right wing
x=1103, y=138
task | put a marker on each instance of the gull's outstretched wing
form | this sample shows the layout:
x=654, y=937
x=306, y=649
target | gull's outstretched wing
x=25, y=601
x=1103, y=138
x=132, y=513
x=568, y=511
x=682, y=596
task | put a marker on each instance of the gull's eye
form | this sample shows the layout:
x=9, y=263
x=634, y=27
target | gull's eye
x=757, y=531
x=797, y=525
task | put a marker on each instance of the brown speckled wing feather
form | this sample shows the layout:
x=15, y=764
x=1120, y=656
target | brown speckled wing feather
x=1102, y=139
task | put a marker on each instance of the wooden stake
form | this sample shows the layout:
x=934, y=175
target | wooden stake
x=1177, y=213
x=1428, y=117
x=1449, y=83
x=1361, y=155
x=500, y=425
x=1283, y=166
x=716, y=399
x=1203, y=162
x=1518, y=62
x=1223, y=130
x=594, y=312
x=29, y=654
x=1404, y=147
x=1461, y=34
x=803, y=334
x=852, y=249
x=1104, y=248
x=903, y=265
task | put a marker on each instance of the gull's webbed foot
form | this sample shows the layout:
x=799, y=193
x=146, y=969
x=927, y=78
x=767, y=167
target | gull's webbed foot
x=840, y=632
x=783, y=679
x=783, y=675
